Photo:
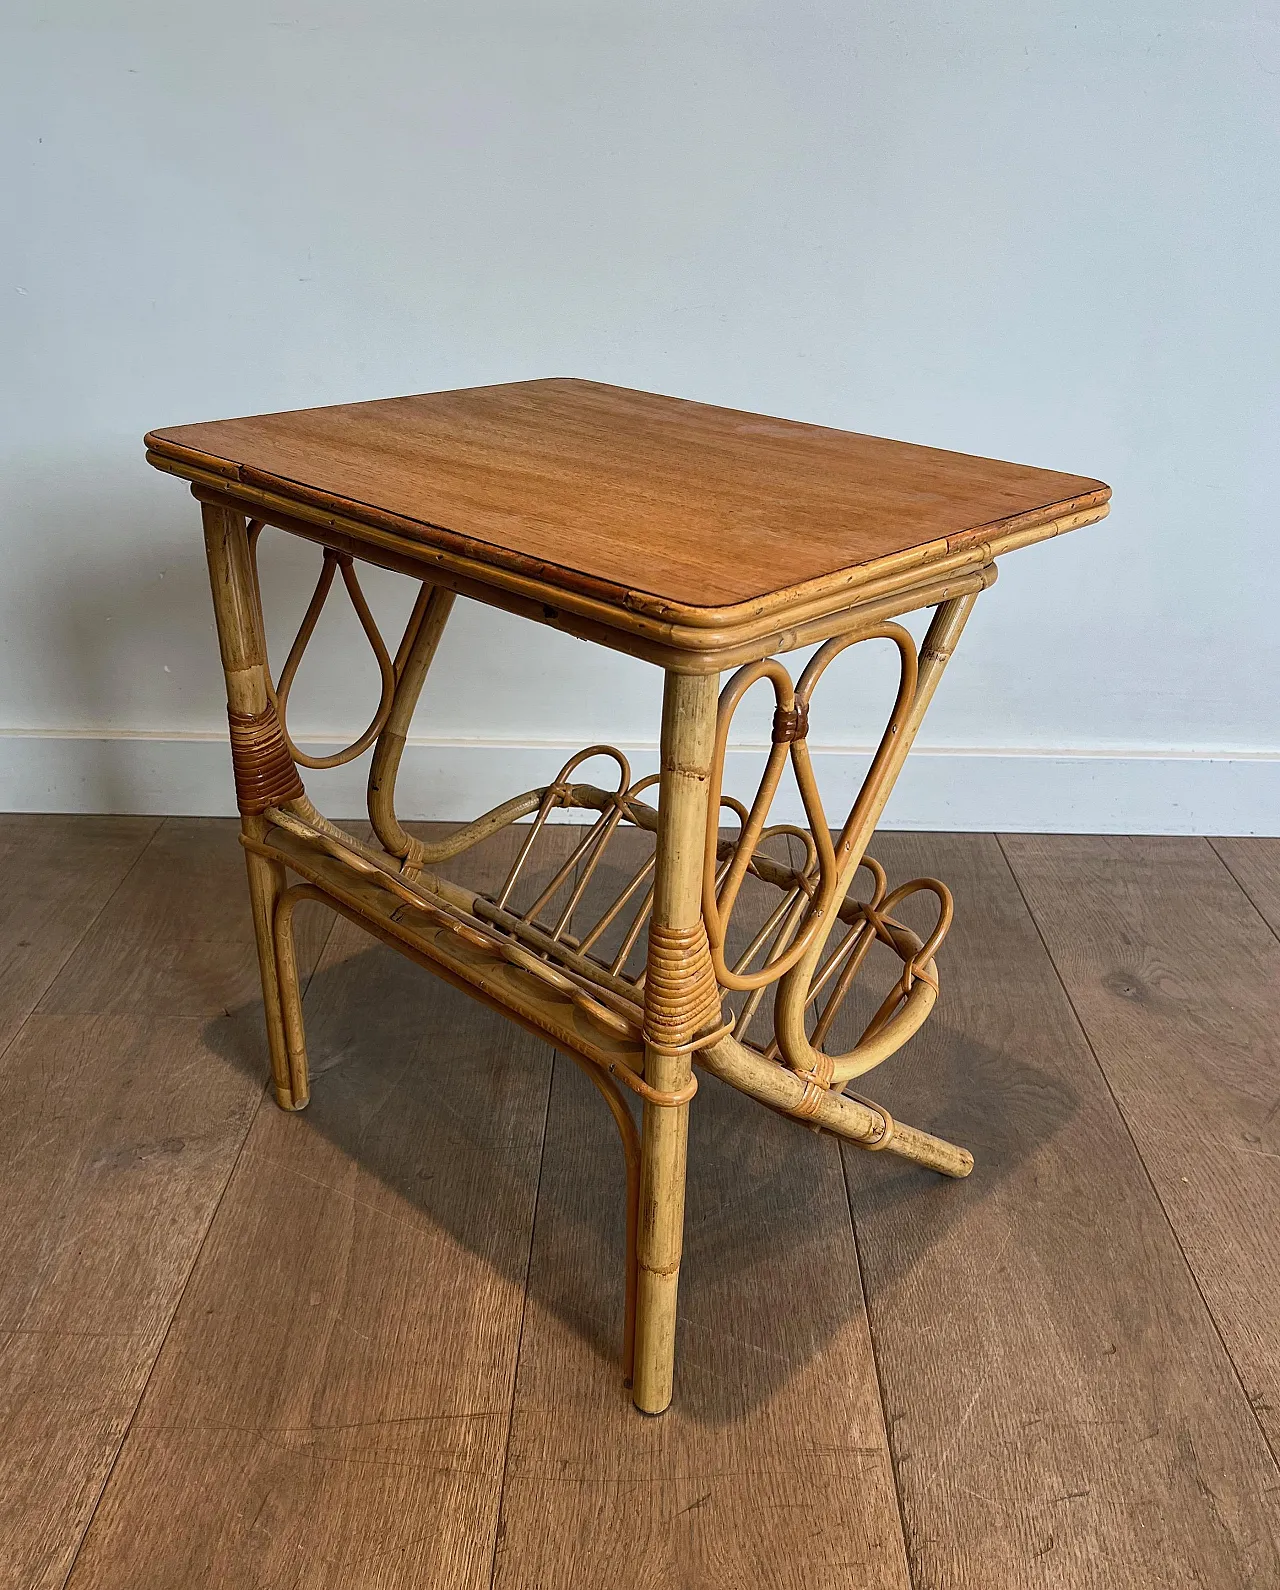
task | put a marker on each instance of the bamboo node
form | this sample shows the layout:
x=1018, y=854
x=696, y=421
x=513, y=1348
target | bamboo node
x=265, y=773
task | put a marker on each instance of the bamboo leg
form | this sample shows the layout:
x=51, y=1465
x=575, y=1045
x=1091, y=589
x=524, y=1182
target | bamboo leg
x=264, y=771
x=295, y=1036
x=688, y=732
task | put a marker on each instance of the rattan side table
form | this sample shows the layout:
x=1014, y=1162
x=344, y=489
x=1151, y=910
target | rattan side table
x=701, y=540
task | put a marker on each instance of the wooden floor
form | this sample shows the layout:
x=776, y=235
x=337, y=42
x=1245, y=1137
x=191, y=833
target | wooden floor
x=373, y=1346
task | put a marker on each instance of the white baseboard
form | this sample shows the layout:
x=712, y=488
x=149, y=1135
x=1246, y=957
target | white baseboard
x=967, y=789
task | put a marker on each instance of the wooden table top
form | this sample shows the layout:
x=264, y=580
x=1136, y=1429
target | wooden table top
x=653, y=505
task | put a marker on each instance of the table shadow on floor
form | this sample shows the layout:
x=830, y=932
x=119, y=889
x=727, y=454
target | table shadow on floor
x=409, y=1075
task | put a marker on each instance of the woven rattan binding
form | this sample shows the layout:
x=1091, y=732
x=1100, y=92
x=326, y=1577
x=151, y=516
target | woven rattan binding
x=790, y=723
x=264, y=771
x=681, y=998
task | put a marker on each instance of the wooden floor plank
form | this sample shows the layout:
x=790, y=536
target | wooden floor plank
x=118, y=1131
x=1255, y=865
x=1061, y=1408
x=56, y=873
x=117, y=1135
x=1176, y=981
x=771, y=1467
x=333, y=1400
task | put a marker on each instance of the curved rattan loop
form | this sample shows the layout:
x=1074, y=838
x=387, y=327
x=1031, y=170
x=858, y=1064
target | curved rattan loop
x=907, y=1003
x=559, y=793
x=916, y=992
x=806, y=874
x=908, y=676
x=718, y=901
x=946, y=912
x=560, y=784
x=791, y=715
x=278, y=690
x=737, y=808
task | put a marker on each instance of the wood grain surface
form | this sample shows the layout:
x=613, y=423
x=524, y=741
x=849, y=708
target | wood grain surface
x=117, y=1135
x=1061, y=1408
x=1255, y=865
x=648, y=496
x=1182, y=1006
x=119, y=1126
x=55, y=876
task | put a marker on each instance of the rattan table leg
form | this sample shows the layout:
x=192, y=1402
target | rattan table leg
x=264, y=771
x=672, y=986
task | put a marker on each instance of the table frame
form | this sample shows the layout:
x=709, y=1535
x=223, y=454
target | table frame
x=638, y=1033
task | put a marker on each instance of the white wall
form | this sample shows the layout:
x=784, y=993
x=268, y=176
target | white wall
x=1041, y=231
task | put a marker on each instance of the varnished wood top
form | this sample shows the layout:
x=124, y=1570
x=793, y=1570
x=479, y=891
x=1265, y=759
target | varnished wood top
x=696, y=506
x=691, y=535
